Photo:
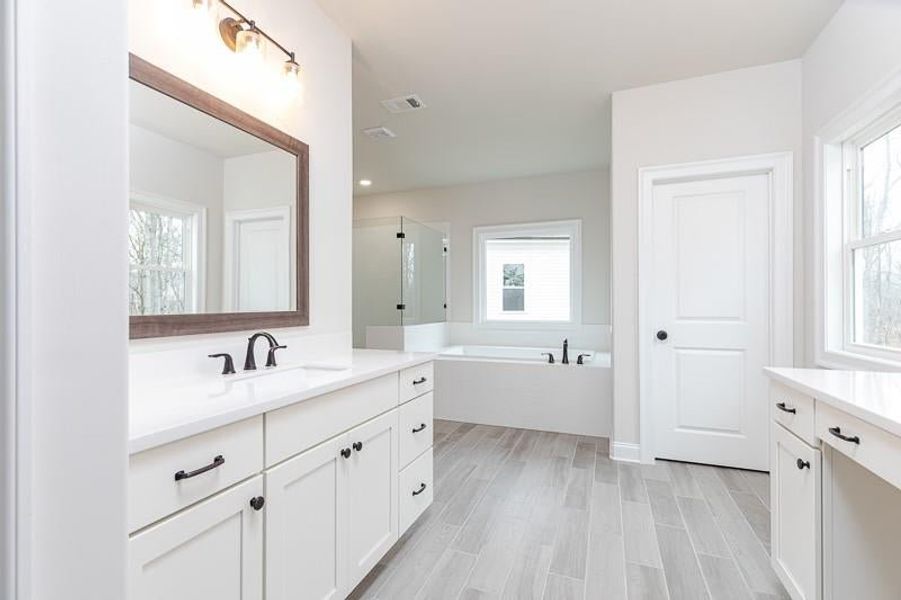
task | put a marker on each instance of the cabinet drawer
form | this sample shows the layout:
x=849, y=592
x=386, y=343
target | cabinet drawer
x=295, y=428
x=154, y=491
x=796, y=515
x=416, y=381
x=875, y=449
x=416, y=489
x=415, y=428
x=793, y=410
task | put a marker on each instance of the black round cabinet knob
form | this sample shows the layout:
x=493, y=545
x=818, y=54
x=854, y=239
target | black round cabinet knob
x=257, y=503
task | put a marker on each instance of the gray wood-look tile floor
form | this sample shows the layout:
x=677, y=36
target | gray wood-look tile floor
x=528, y=514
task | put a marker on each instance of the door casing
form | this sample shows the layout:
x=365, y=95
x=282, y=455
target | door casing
x=779, y=169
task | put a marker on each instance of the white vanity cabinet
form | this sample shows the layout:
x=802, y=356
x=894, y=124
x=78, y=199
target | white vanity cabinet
x=835, y=483
x=211, y=550
x=795, y=474
x=326, y=475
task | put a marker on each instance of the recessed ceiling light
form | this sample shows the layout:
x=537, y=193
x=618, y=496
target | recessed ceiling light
x=365, y=182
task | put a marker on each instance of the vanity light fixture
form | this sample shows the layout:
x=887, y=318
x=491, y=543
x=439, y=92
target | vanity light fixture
x=242, y=35
x=365, y=182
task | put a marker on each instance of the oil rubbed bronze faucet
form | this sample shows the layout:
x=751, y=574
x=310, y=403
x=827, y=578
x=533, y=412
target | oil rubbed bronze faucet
x=565, y=359
x=250, y=363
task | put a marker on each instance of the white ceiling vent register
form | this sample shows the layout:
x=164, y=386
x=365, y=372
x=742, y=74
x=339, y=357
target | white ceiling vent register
x=379, y=133
x=403, y=104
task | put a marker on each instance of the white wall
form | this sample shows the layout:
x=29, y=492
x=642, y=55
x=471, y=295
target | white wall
x=582, y=195
x=71, y=152
x=161, y=166
x=858, y=49
x=737, y=113
x=167, y=34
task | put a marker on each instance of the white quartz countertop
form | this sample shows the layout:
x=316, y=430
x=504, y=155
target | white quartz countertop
x=170, y=411
x=871, y=396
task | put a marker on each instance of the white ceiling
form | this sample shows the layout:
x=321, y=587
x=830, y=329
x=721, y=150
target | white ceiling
x=521, y=87
x=175, y=120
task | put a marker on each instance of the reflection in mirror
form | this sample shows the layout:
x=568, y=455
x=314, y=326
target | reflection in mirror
x=212, y=225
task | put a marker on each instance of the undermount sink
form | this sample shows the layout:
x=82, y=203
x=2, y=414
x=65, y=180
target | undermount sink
x=308, y=369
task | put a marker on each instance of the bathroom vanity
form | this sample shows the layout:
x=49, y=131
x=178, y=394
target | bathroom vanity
x=835, y=483
x=290, y=483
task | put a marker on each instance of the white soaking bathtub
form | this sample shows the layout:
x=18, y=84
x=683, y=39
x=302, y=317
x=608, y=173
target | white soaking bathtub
x=516, y=387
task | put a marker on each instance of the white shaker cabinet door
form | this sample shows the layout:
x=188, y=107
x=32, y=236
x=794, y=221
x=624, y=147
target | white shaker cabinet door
x=211, y=550
x=796, y=514
x=372, y=494
x=306, y=526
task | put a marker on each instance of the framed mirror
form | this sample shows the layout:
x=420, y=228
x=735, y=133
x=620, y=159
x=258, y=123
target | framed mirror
x=218, y=221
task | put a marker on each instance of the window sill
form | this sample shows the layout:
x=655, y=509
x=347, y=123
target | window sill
x=854, y=362
x=526, y=325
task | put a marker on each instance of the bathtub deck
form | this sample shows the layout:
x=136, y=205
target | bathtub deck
x=524, y=514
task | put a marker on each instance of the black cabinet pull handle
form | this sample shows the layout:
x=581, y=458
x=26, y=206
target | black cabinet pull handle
x=803, y=464
x=358, y=446
x=345, y=452
x=418, y=429
x=837, y=432
x=257, y=503
x=781, y=406
x=420, y=490
x=419, y=381
x=217, y=462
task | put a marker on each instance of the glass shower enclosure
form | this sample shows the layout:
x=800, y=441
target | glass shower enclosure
x=398, y=274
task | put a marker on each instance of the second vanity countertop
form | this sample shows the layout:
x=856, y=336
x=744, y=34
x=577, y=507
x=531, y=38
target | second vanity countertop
x=873, y=397
x=164, y=413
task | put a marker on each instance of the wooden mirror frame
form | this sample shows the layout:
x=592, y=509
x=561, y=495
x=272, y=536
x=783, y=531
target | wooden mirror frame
x=148, y=326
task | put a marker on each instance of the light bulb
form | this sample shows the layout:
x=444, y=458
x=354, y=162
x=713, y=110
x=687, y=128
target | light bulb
x=365, y=182
x=291, y=76
x=249, y=44
x=203, y=6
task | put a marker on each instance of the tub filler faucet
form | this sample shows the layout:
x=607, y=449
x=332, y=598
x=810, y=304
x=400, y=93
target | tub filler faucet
x=565, y=359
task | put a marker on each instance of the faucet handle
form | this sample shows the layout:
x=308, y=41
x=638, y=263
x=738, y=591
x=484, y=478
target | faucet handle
x=579, y=360
x=228, y=368
x=270, y=359
x=550, y=357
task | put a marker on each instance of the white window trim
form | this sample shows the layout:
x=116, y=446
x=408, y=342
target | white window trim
x=834, y=212
x=198, y=250
x=480, y=235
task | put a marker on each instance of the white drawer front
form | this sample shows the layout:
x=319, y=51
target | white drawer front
x=154, y=492
x=416, y=425
x=295, y=428
x=416, y=381
x=416, y=489
x=873, y=448
x=793, y=410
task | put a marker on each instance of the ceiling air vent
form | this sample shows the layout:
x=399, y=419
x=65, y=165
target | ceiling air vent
x=379, y=133
x=403, y=104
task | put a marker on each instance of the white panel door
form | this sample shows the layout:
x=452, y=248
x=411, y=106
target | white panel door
x=709, y=302
x=306, y=532
x=372, y=494
x=258, y=262
x=211, y=550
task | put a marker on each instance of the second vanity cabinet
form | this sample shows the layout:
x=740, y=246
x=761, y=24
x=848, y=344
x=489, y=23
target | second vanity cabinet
x=340, y=480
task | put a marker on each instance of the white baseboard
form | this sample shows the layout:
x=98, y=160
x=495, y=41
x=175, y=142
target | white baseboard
x=625, y=452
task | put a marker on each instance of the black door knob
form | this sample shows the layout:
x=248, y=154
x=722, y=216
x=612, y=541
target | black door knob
x=662, y=335
x=257, y=503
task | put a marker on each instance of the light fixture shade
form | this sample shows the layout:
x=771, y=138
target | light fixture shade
x=203, y=6
x=291, y=75
x=249, y=43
